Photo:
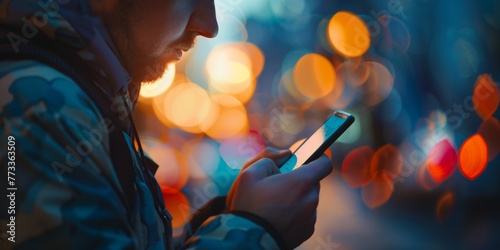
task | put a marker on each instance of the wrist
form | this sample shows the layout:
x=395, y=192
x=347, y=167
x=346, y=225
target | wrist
x=270, y=229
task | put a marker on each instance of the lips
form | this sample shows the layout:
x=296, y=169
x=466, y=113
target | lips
x=179, y=51
x=178, y=54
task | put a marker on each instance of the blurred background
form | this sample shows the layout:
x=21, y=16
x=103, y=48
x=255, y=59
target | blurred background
x=418, y=168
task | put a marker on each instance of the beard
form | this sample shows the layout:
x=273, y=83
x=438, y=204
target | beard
x=144, y=65
x=141, y=63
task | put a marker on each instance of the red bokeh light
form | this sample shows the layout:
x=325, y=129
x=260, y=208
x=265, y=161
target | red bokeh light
x=486, y=96
x=441, y=161
x=178, y=206
x=473, y=157
x=386, y=163
x=356, y=170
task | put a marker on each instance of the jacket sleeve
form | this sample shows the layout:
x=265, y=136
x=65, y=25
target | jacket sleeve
x=235, y=230
x=211, y=227
x=67, y=194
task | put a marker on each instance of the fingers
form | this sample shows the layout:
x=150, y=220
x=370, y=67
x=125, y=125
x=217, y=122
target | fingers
x=313, y=172
x=278, y=156
x=281, y=157
x=261, y=169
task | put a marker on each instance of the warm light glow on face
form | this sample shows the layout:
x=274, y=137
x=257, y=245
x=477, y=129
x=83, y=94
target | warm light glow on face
x=348, y=34
x=160, y=86
x=473, y=157
x=441, y=161
x=314, y=76
x=356, y=170
x=178, y=206
x=486, y=96
x=173, y=171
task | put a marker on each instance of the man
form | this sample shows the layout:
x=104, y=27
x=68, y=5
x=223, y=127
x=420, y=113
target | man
x=69, y=74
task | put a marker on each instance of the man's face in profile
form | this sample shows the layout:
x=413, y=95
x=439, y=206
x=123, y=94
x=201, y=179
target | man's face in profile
x=150, y=34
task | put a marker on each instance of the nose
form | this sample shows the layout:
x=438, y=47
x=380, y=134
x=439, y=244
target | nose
x=203, y=21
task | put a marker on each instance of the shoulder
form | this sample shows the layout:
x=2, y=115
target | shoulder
x=37, y=103
x=29, y=88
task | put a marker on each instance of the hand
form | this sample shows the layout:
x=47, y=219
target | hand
x=288, y=201
x=277, y=156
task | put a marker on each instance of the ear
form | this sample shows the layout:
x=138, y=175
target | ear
x=100, y=7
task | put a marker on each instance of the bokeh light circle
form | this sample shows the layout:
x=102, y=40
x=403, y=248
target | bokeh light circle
x=348, y=34
x=187, y=105
x=231, y=120
x=314, y=76
x=386, y=163
x=179, y=207
x=232, y=69
x=378, y=85
x=441, y=161
x=473, y=157
x=486, y=96
x=376, y=194
x=356, y=170
x=173, y=172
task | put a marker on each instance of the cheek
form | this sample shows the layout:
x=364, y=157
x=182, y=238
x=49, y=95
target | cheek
x=172, y=25
x=167, y=19
x=156, y=31
x=159, y=23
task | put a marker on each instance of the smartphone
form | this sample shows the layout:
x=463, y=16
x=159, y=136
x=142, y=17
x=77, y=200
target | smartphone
x=316, y=145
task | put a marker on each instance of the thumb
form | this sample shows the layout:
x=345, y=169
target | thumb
x=279, y=157
x=260, y=170
x=315, y=171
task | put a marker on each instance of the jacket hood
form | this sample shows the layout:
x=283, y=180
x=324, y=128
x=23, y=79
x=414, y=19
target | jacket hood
x=68, y=23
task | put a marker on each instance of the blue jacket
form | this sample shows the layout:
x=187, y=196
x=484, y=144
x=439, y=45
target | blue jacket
x=68, y=193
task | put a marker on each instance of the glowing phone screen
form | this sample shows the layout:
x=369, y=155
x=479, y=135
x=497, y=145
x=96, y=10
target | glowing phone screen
x=334, y=126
